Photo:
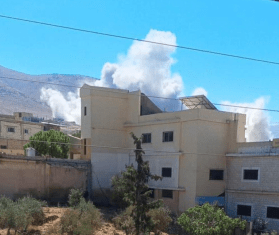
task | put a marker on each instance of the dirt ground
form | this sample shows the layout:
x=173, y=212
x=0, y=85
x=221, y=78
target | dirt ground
x=53, y=215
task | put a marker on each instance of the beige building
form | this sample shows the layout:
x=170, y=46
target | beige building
x=188, y=148
x=15, y=131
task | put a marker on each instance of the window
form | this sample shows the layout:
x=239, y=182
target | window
x=152, y=195
x=84, y=147
x=244, y=210
x=249, y=174
x=19, y=114
x=216, y=175
x=168, y=136
x=166, y=172
x=84, y=111
x=272, y=212
x=26, y=131
x=146, y=138
x=3, y=146
x=11, y=129
x=167, y=193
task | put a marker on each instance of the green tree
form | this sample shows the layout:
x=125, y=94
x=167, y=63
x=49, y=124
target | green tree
x=53, y=143
x=133, y=185
x=209, y=220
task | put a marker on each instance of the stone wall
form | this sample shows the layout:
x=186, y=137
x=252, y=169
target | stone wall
x=13, y=144
x=46, y=179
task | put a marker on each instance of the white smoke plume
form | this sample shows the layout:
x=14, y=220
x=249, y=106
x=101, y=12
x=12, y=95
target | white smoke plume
x=146, y=66
x=68, y=107
x=257, y=121
x=199, y=91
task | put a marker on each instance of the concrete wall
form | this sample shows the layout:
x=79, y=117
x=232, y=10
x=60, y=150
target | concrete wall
x=268, y=173
x=49, y=179
x=258, y=202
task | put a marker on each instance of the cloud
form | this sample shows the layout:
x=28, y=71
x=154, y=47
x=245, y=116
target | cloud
x=199, y=91
x=257, y=121
x=68, y=107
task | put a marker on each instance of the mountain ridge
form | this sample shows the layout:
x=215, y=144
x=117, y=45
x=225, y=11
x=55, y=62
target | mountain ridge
x=23, y=96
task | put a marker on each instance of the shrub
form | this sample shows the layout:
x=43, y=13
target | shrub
x=75, y=197
x=161, y=219
x=259, y=224
x=125, y=222
x=20, y=214
x=32, y=209
x=208, y=220
x=84, y=219
x=7, y=214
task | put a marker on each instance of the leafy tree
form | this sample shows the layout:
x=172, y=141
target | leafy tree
x=133, y=186
x=209, y=220
x=53, y=143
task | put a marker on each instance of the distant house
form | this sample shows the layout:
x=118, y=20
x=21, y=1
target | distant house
x=15, y=131
x=188, y=148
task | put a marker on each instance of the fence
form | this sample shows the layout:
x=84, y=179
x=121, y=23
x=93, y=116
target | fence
x=45, y=179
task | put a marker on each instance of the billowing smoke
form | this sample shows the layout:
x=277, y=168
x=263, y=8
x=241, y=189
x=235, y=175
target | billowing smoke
x=257, y=121
x=199, y=91
x=146, y=66
x=63, y=107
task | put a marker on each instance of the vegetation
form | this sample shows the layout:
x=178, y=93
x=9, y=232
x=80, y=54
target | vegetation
x=209, y=220
x=20, y=214
x=82, y=218
x=77, y=134
x=160, y=218
x=75, y=197
x=52, y=143
x=132, y=186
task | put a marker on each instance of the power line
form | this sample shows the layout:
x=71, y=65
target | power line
x=140, y=40
x=149, y=96
x=111, y=147
x=236, y=106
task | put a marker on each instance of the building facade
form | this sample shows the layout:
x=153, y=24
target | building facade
x=252, y=188
x=15, y=131
x=188, y=148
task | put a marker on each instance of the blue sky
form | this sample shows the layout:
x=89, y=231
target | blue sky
x=242, y=27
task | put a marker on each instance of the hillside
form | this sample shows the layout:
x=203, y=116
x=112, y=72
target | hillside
x=24, y=96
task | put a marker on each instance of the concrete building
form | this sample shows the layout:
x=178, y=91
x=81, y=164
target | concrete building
x=188, y=148
x=15, y=131
x=252, y=187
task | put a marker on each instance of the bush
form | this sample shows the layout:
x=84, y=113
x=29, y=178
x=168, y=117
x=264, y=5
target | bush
x=160, y=218
x=75, y=197
x=84, y=219
x=208, y=220
x=20, y=214
x=125, y=222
